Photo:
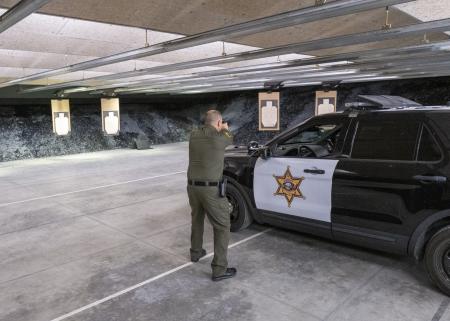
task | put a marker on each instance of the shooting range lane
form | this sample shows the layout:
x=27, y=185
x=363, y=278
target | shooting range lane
x=80, y=227
x=62, y=253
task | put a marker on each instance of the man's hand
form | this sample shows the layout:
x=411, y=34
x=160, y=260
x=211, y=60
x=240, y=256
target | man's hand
x=224, y=126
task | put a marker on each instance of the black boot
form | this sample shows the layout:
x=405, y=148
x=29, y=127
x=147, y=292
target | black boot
x=229, y=273
x=196, y=258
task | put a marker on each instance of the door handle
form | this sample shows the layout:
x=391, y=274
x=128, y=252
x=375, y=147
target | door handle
x=431, y=179
x=315, y=171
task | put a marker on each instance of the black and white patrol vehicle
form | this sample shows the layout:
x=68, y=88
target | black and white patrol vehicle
x=376, y=175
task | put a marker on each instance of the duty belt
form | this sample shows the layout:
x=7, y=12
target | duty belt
x=202, y=183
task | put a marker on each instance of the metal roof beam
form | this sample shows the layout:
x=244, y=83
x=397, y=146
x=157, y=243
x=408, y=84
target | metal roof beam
x=327, y=43
x=308, y=82
x=438, y=67
x=18, y=12
x=294, y=66
x=295, y=17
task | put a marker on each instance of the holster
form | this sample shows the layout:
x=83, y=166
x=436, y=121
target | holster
x=223, y=188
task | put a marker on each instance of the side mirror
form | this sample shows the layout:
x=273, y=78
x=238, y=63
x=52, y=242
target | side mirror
x=253, y=145
x=265, y=153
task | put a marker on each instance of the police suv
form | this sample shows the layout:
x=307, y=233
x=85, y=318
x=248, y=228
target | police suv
x=376, y=175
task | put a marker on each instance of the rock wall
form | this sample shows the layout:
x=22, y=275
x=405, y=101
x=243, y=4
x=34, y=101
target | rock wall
x=26, y=130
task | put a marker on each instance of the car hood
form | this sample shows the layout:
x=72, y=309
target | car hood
x=236, y=150
x=240, y=151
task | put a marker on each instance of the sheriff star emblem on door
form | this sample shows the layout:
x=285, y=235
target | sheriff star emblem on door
x=289, y=186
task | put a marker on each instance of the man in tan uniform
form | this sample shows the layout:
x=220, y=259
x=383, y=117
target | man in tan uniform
x=206, y=155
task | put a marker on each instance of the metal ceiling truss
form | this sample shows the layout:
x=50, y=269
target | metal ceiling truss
x=369, y=55
x=310, y=82
x=438, y=65
x=291, y=18
x=18, y=12
x=327, y=43
x=428, y=70
x=248, y=84
x=283, y=69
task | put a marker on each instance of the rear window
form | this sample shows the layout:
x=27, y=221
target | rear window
x=386, y=140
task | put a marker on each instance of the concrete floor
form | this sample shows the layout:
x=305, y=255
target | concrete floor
x=78, y=229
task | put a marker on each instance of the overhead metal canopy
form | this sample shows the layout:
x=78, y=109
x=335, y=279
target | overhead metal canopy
x=21, y=10
x=423, y=60
x=360, y=38
x=332, y=9
x=358, y=71
x=367, y=69
x=366, y=37
x=412, y=67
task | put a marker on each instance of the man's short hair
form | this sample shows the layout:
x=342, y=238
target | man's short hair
x=212, y=117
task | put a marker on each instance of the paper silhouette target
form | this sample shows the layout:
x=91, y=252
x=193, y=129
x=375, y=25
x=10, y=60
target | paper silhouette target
x=269, y=111
x=61, y=116
x=111, y=121
x=110, y=116
x=326, y=102
x=62, y=123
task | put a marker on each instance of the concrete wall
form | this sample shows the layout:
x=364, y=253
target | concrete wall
x=26, y=131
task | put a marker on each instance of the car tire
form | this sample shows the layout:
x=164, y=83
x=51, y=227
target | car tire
x=240, y=216
x=437, y=259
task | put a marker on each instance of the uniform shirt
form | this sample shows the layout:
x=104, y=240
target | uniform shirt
x=206, y=153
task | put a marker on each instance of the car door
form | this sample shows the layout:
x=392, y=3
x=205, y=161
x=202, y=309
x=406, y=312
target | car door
x=293, y=185
x=382, y=188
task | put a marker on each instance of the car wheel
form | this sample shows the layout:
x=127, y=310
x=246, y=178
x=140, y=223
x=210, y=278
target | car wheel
x=437, y=259
x=240, y=216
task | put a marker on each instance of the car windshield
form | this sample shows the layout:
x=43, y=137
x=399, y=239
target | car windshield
x=286, y=132
x=312, y=134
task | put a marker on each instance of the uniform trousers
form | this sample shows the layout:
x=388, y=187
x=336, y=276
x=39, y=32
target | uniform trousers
x=206, y=200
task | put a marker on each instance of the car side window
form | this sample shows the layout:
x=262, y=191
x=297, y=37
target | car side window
x=429, y=150
x=385, y=140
